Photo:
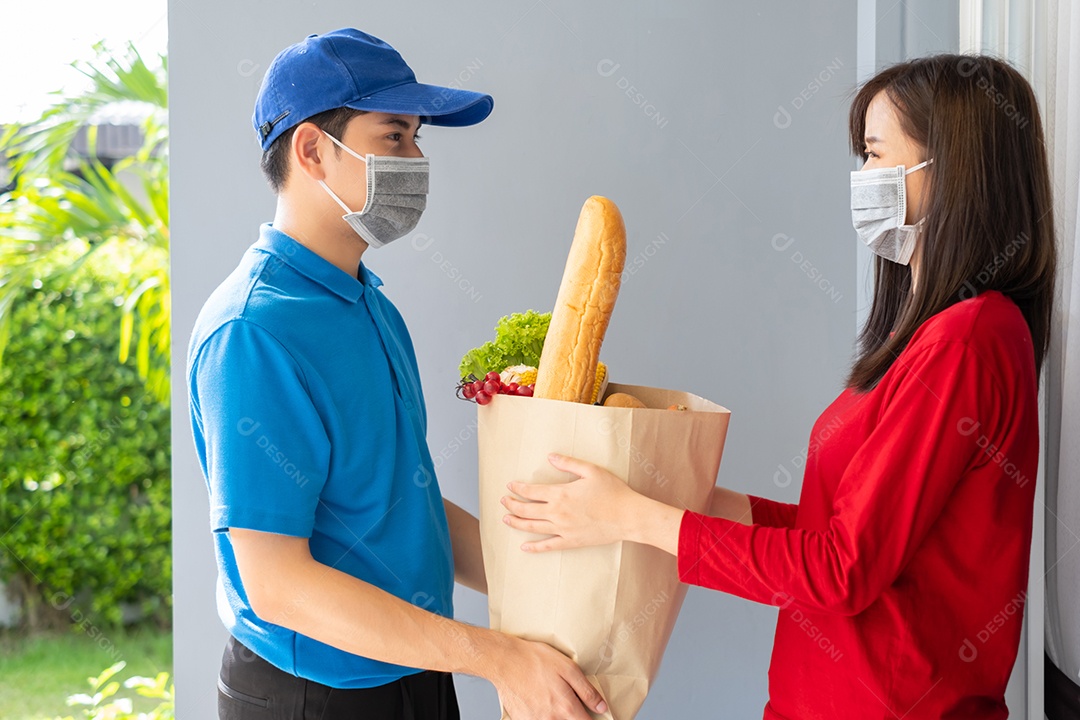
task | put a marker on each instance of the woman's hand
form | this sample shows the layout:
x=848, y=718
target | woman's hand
x=597, y=508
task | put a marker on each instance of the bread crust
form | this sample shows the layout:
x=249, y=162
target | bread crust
x=624, y=400
x=587, y=294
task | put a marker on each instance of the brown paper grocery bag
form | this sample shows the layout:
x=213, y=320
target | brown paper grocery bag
x=610, y=608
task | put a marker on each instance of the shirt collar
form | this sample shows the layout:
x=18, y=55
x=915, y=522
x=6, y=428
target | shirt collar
x=368, y=277
x=313, y=266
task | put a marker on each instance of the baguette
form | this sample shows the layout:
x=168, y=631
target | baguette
x=587, y=294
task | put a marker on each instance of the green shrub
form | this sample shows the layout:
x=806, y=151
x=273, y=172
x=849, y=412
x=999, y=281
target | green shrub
x=84, y=453
x=104, y=704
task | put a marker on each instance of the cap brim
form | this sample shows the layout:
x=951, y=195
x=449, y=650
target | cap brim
x=434, y=104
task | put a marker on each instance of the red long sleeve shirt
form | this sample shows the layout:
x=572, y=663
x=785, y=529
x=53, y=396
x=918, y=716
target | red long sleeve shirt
x=902, y=573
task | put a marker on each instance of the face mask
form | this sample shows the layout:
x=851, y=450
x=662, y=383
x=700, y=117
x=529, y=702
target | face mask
x=878, y=207
x=396, y=197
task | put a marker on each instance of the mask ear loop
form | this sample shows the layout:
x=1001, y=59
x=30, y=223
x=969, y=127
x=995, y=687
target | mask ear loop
x=368, y=161
x=345, y=147
x=920, y=166
x=336, y=198
x=901, y=188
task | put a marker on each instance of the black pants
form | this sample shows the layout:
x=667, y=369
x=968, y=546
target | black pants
x=1062, y=693
x=249, y=688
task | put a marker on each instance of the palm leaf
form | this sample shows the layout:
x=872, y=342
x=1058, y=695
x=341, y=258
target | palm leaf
x=59, y=199
x=42, y=145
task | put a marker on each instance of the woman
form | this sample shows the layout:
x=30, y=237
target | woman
x=908, y=550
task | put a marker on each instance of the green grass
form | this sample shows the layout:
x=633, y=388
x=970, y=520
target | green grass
x=38, y=672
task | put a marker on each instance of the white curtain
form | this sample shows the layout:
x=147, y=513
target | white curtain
x=1042, y=38
x=1062, y=110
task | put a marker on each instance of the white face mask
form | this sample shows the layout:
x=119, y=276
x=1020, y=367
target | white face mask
x=878, y=208
x=396, y=197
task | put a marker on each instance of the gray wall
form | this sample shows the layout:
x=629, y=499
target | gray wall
x=720, y=132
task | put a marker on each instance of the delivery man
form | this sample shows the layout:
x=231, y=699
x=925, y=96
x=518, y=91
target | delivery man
x=336, y=552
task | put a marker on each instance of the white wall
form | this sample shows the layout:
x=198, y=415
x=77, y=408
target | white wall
x=729, y=159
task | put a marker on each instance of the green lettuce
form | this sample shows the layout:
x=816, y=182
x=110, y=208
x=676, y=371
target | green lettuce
x=519, y=340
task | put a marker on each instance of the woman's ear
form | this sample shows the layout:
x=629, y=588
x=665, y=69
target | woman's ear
x=308, y=146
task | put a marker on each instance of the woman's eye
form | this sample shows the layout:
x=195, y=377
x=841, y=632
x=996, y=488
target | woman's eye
x=416, y=138
x=869, y=154
x=394, y=136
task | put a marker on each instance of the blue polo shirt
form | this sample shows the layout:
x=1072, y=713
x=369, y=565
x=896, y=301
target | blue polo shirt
x=309, y=421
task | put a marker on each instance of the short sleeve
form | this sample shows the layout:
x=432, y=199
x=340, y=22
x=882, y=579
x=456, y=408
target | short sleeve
x=266, y=449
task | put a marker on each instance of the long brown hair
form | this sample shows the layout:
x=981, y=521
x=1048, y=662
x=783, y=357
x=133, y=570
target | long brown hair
x=989, y=222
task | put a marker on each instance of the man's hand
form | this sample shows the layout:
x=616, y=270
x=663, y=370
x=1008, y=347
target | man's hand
x=537, y=682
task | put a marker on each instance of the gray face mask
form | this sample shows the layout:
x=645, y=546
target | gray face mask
x=396, y=197
x=878, y=208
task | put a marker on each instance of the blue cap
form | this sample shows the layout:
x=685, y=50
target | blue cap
x=349, y=68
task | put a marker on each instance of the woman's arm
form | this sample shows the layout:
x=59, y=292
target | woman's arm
x=654, y=523
x=599, y=508
x=771, y=512
x=724, y=503
x=890, y=495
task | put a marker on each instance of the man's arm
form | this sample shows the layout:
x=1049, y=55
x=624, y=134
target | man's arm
x=286, y=586
x=468, y=556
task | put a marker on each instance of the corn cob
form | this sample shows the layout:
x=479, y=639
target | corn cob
x=601, y=383
x=521, y=374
